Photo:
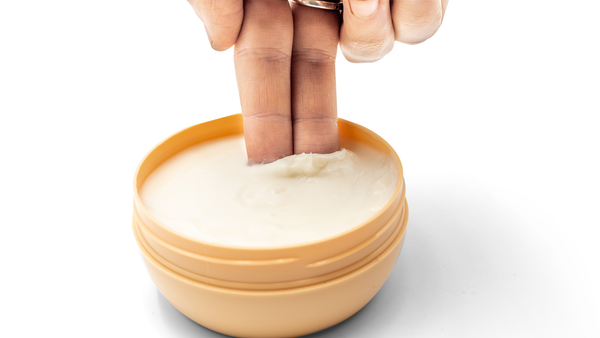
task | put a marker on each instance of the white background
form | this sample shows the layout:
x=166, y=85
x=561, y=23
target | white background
x=495, y=118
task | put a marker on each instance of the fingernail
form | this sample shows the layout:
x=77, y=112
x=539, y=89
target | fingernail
x=208, y=34
x=364, y=8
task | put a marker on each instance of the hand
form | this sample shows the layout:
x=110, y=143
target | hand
x=285, y=61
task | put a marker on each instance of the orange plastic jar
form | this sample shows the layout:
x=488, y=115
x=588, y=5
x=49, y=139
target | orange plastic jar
x=285, y=291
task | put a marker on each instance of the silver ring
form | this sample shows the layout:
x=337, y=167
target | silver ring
x=332, y=5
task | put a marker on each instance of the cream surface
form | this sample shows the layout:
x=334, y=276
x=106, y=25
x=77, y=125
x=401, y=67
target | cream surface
x=208, y=192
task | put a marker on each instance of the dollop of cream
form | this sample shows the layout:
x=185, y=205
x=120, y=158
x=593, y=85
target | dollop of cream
x=208, y=192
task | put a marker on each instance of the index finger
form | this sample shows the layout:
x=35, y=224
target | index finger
x=262, y=58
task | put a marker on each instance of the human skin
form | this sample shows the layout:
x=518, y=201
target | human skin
x=285, y=61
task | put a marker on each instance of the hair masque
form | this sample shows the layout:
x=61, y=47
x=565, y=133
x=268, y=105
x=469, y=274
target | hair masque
x=208, y=192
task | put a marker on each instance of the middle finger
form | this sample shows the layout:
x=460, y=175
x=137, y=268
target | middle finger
x=314, y=103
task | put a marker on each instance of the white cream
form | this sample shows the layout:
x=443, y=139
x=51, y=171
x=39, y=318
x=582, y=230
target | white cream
x=208, y=192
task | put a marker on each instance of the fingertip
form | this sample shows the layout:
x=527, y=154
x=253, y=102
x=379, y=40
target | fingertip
x=220, y=47
x=363, y=55
x=220, y=39
x=416, y=34
x=359, y=52
x=367, y=33
x=222, y=21
x=416, y=21
x=210, y=39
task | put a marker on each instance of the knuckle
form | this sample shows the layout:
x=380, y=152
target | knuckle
x=263, y=115
x=315, y=56
x=314, y=119
x=271, y=54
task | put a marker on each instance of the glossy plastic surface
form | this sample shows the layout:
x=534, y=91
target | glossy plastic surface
x=397, y=229
x=275, y=313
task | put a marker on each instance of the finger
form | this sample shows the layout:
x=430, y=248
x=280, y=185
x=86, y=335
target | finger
x=367, y=33
x=222, y=20
x=314, y=103
x=417, y=20
x=262, y=59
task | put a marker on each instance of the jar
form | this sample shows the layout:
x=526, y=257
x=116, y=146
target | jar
x=285, y=291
